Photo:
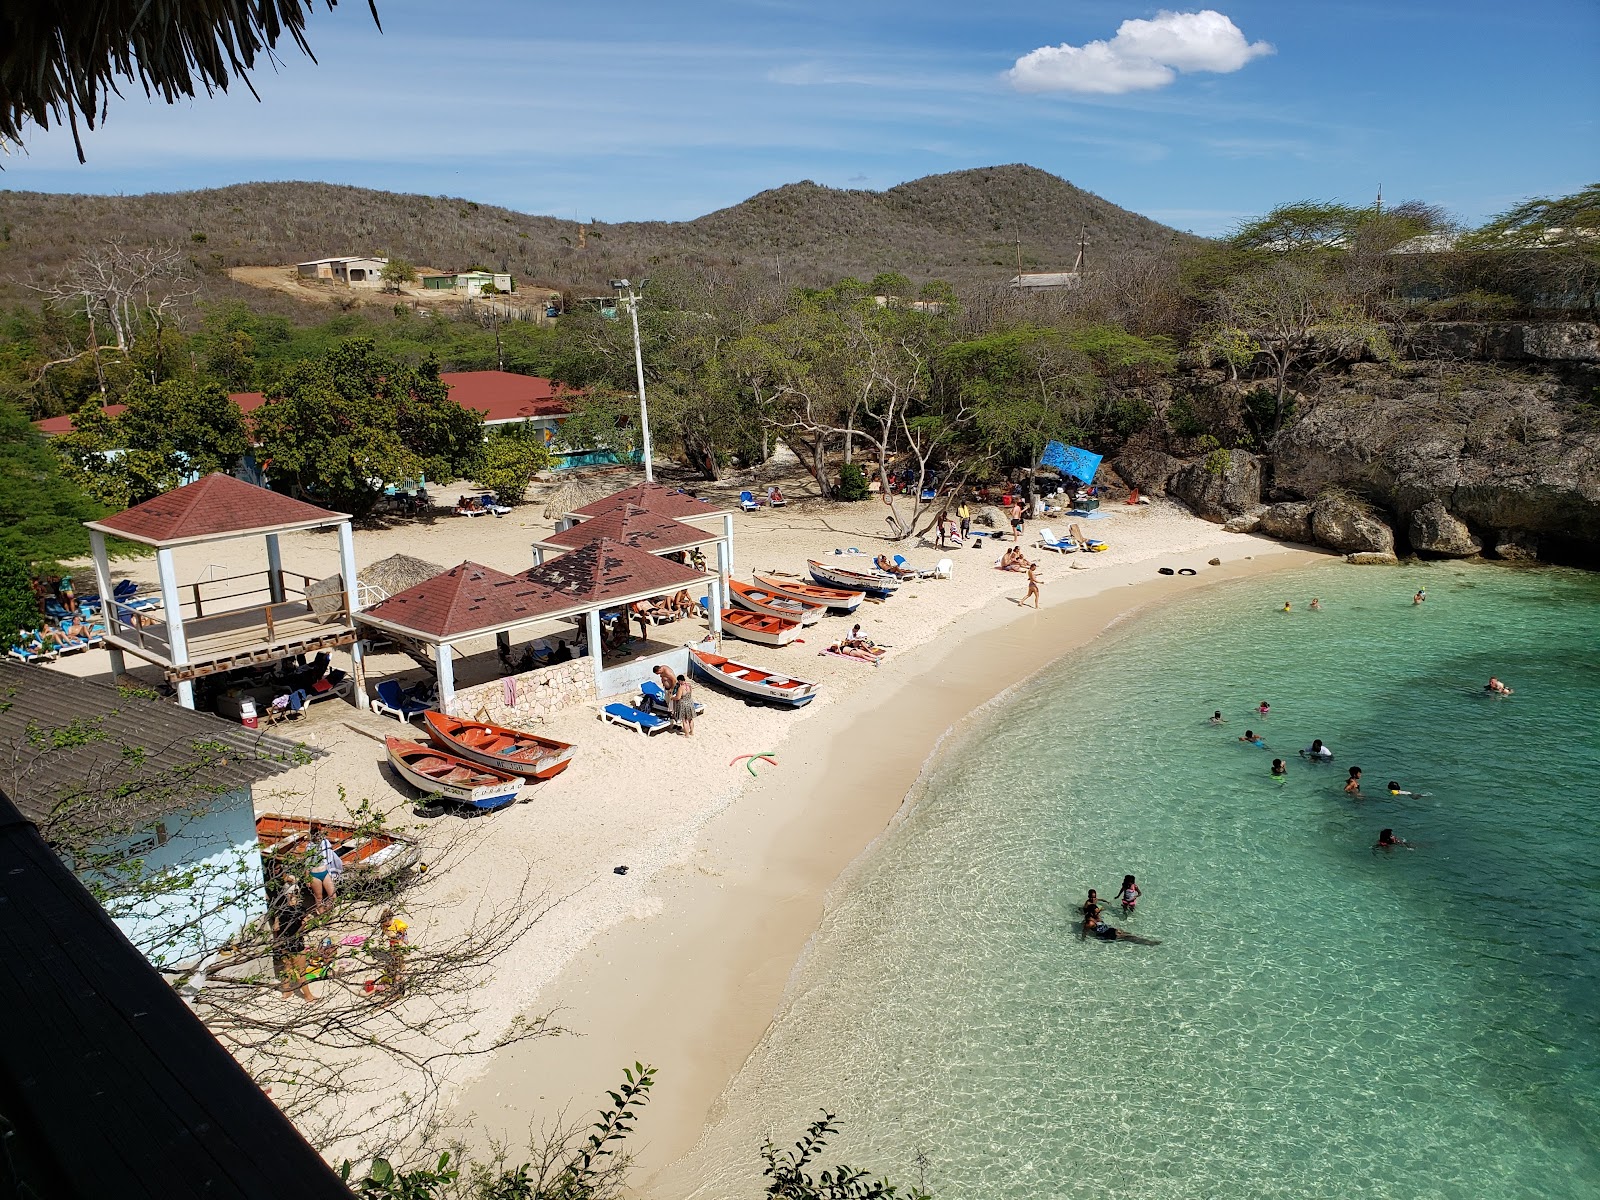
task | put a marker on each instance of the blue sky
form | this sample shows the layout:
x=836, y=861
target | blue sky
x=654, y=109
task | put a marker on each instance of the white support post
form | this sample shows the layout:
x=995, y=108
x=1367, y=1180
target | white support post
x=538, y=556
x=108, y=608
x=592, y=625
x=445, y=672
x=724, y=567
x=347, y=567
x=714, y=596
x=726, y=546
x=358, y=674
x=274, y=569
x=178, y=645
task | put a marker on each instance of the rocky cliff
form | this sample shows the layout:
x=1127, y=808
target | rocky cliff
x=1449, y=456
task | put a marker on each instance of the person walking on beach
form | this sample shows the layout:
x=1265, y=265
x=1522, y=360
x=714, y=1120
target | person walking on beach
x=1014, y=511
x=1033, y=587
x=1352, y=786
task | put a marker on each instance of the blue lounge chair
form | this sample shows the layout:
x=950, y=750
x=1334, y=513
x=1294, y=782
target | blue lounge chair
x=635, y=719
x=653, y=700
x=747, y=501
x=392, y=701
x=489, y=502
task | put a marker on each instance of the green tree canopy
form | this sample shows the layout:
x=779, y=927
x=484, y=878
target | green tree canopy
x=41, y=509
x=19, y=607
x=337, y=429
x=1543, y=223
x=508, y=460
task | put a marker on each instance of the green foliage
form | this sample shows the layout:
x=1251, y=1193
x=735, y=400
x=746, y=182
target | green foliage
x=1543, y=224
x=852, y=483
x=19, y=608
x=890, y=283
x=41, y=509
x=788, y=1178
x=396, y=273
x=338, y=428
x=168, y=431
x=508, y=461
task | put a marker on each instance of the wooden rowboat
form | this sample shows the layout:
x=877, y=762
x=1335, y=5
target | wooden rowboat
x=758, y=627
x=837, y=599
x=751, y=682
x=874, y=584
x=512, y=750
x=286, y=840
x=764, y=600
x=450, y=778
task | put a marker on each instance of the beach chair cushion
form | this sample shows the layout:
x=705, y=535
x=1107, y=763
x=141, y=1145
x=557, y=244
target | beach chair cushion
x=635, y=719
x=747, y=501
x=396, y=703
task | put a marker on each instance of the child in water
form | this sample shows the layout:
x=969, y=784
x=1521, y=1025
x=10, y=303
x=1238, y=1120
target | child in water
x=1129, y=895
x=1316, y=605
x=1263, y=708
x=1420, y=596
x=1286, y=607
x=1352, y=786
x=1396, y=790
x=1216, y=717
x=1280, y=769
x=1388, y=841
x=1254, y=739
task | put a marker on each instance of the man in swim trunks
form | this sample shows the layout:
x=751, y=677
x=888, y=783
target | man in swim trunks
x=1254, y=739
x=1280, y=769
x=1495, y=688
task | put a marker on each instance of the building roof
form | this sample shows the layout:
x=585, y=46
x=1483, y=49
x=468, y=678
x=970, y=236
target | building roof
x=632, y=526
x=461, y=601
x=110, y=1083
x=506, y=396
x=656, y=498
x=213, y=506
x=54, y=426
x=158, y=757
x=607, y=571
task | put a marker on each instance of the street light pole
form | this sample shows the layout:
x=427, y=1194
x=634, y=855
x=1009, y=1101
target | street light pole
x=638, y=363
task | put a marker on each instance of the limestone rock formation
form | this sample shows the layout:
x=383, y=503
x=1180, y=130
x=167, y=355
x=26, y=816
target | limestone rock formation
x=1217, y=491
x=1146, y=469
x=1433, y=530
x=1289, y=521
x=1343, y=523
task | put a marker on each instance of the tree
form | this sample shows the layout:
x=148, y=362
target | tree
x=168, y=433
x=1544, y=223
x=787, y=1178
x=1292, y=315
x=508, y=461
x=42, y=510
x=397, y=272
x=62, y=63
x=337, y=429
x=19, y=607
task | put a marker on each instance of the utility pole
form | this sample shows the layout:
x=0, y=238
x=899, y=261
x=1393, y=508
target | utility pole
x=1083, y=250
x=623, y=285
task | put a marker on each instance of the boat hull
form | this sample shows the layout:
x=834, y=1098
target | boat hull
x=759, y=628
x=839, y=600
x=771, y=604
x=366, y=856
x=514, y=751
x=451, y=778
x=881, y=586
x=750, y=682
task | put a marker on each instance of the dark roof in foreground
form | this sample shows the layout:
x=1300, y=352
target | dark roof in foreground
x=112, y=1085
x=632, y=526
x=653, y=497
x=213, y=506
x=62, y=737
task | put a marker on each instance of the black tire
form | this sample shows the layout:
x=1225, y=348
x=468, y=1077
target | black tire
x=1186, y=571
x=429, y=811
x=1164, y=571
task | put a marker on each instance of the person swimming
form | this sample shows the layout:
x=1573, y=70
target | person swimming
x=1093, y=926
x=1129, y=894
x=1092, y=906
x=1422, y=594
x=1286, y=607
x=1263, y=708
x=1216, y=717
x=1388, y=841
x=1352, y=786
x=1316, y=605
x=1396, y=790
x=1280, y=768
x=1495, y=688
x=1255, y=739
x=1317, y=752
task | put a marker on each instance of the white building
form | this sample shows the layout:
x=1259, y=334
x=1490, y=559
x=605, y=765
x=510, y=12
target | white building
x=351, y=269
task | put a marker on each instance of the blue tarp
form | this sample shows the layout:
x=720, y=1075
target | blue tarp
x=1070, y=460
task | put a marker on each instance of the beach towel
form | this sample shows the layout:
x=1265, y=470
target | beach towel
x=509, y=685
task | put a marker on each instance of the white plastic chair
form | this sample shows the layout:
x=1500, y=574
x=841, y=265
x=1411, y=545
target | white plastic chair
x=942, y=568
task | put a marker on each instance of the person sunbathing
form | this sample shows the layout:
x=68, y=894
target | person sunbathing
x=853, y=650
x=888, y=567
x=77, y=630
x=774, y=496
x=1014, y=560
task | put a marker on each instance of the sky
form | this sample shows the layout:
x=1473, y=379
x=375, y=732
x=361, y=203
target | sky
x=665, y=109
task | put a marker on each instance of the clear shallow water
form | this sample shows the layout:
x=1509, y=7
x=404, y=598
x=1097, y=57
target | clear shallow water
x=1318, y=1020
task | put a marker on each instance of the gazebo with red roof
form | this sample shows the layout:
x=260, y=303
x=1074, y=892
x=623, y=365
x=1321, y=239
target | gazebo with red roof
x=632, y=526
x=662, y=501
x=473, y=601
x=190, y=634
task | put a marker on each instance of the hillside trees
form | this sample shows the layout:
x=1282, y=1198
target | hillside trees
x=41, y=510
x=508, y=460
x=338, y=428
x=168, y=432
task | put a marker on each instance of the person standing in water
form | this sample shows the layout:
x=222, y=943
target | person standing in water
x=1091, y=907
x=1352, y=786
x=1216, y=717
x=1317, y=752
x=1129, y=895
x=1388, y=841
x=1495, y=688
x=1263, y=708
x=1280, y=769
x=1287, y=607
x=1316, y=605
x=1421, y=595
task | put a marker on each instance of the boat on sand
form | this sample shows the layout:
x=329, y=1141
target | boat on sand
x=450, y=778
x=772, y=604
x=494, y=746
x=839, y=600
x=758, y=627
x=873, y=584
x=749, y=681
x=367, y=856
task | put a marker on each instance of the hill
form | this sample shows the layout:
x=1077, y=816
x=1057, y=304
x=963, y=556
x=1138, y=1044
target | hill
x=962, y=226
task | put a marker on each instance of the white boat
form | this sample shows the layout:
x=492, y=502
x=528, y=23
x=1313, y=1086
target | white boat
x=770, y=603
x=758, y=627
x=451, y=778
x=840, y=600
x=874, y=584
x=752, y=682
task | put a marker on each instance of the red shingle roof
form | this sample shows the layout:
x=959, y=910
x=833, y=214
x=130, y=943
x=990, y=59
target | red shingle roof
x=605, y=570
x=632, y=526
x=505, y=396
x=653, y=497
x=213, y=506
x=464, y=599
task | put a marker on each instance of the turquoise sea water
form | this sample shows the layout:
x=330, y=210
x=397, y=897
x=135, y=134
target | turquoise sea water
x=1319, y=1020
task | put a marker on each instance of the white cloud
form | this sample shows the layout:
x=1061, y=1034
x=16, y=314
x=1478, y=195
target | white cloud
x=1143, y=55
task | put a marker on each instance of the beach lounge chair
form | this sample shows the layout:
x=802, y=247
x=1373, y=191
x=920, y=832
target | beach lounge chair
x=490, y=504
x=943, y=568
x=775, y=498
x=32, y=650
x=900, y=561
x=748, y=502
x=393, y=702
x=1049, y=541
x=1085, y=541
x=653, y=700
x=635, y=719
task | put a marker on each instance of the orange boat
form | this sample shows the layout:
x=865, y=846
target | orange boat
x=758, y=627
x=499, y=748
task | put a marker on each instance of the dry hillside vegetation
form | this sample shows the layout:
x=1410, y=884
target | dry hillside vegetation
x=961, y=226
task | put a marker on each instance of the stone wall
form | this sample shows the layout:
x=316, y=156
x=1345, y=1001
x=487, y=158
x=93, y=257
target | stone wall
x=538, y=694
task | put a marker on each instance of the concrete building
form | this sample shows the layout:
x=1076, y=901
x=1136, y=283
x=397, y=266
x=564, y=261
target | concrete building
x=352, y=270
x=471, y=283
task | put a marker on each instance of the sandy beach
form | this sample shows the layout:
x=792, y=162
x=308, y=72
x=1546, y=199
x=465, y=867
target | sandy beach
x=682, y=961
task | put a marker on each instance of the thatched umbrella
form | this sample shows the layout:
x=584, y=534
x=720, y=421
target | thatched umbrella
x=574, y=493
x=388, y=575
